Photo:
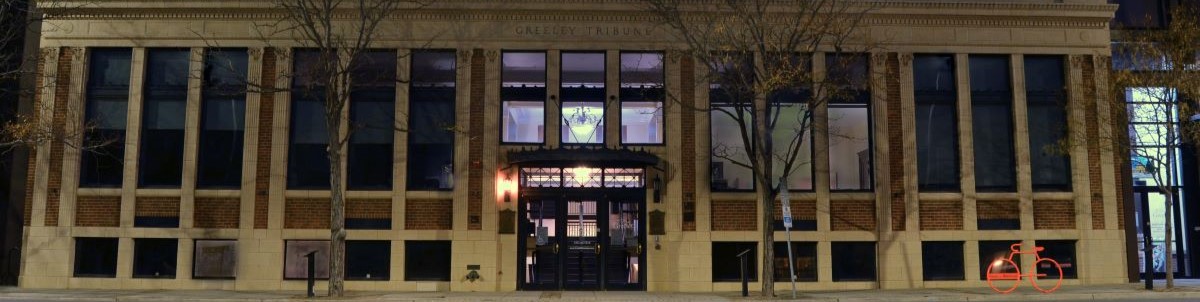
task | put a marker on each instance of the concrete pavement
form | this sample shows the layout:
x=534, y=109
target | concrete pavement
x=1186, y=290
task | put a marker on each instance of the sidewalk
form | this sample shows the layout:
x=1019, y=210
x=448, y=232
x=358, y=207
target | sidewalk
x=1185, y=289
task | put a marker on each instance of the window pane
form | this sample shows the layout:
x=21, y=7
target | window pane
x=942, y=260
x=523, y=92
x=154, y=258
x=107, y=98
x=431, y=114
x=804, y=255
x=1063, y=252
x=641, y=98
x=308, y=161
x=727, y=147
x=368, y=260
x=937, y=129
x=641, y=122
x=223, y=119
x=1047, y=113
x=991, y=251
x=583, y=122
x=853, y=261
x=991, y=118
x=96, y=257
x=427, y=260
x=793, y=131
x=372, y=111
x=726, y=265
x=583, y=98
x=850, y=148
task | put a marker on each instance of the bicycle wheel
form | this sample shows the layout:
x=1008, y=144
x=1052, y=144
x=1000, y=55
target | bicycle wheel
x=1049, y=275
x=1003, y=276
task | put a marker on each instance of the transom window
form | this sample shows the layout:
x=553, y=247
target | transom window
x=582, y=177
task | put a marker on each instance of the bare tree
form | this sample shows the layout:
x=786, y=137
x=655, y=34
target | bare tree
x=340, y=34
x=1158, y=73
x=757, y=55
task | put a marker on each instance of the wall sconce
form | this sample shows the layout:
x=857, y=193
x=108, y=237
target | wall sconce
x=658, y=183
x=507, y=187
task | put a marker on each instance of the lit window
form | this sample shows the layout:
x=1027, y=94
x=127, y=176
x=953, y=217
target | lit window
x=849, y=124
x=523, y=94
x=583, y=98
x=642, y=98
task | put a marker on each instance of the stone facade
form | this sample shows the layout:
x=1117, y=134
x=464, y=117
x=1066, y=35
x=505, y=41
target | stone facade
x=260, y=216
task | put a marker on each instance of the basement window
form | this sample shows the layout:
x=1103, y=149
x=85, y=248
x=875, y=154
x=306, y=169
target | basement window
x=155, y=258
x=369, y=260
x=214, y=259
x=96, y=257
x=1063, y=252
x=726, y=265
x=427, y=260
x=942, y=260
x=804, y=256
x=990, y=251
x=853, y=261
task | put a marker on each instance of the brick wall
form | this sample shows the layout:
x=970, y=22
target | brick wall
x=941, y=215
x=369, y=208
x=1053, y=214
x=1091, y=120
x=687, y=120
x=734, y=215
x=475, y=146
x=62, y=90
x=31, y=166
x=266, y=115
x=306, y=213
x=801, y=210
x=98, y=211
x=1122, y=166
x=997, y=209
x=428, y=214
x=895, y=141
x=852, y=215
x=217, y=213
x=156, y=207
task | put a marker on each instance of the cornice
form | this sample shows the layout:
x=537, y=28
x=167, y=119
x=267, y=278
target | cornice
x=263, y=14
x=892, y=4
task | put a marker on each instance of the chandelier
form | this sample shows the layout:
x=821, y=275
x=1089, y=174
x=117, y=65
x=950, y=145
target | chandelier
x=584, y=117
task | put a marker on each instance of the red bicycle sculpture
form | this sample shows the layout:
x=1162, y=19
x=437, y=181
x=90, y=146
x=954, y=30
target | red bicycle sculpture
x=1004, y=271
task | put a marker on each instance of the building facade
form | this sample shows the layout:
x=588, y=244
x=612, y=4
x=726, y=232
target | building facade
x=199, y=183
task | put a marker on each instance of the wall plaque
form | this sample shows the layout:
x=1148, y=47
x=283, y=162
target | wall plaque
x=658, y=223
x=508, y=221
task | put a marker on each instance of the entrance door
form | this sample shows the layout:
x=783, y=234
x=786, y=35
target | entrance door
x=1151, y=214
x=581, y=243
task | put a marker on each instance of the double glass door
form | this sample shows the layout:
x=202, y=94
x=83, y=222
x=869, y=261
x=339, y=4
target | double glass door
x=581, y=243
x=1150, y=206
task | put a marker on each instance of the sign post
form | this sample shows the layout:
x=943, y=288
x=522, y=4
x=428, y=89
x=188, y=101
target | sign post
x=786, y=199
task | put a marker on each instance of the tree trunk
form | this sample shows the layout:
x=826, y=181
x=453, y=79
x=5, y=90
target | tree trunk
x=337, y=221
x=1167, y=240
x=764, y=189
x=768, y=246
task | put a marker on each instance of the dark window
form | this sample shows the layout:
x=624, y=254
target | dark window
x=372, y=122
x=1063, y=252
x=804, y=255
x=849, y=123
x=156, y=221
x=992, y=126
x=523, y=94
x=729, y=122
x=427, y=261
x=583, y=98
x=853, y=261
x=368, y=223
x=990, y=251
x=107, y=101
x=1139, y=14
x=942, y=260
x=222, y=119
x=726, y=265
x=642, y=96
x=369, y=260
x=1045, y=93
x=154, y=258
x=163, y=115
x=937, y=123
x=308, y=161
x=431, y=115
x=96, y=257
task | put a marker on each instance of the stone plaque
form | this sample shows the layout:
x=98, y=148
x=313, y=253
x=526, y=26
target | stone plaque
x=295, y=266
x=215, y=259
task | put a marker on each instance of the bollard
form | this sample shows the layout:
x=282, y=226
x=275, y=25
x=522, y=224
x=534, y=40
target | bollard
x=745, y=281
x=312, y=272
